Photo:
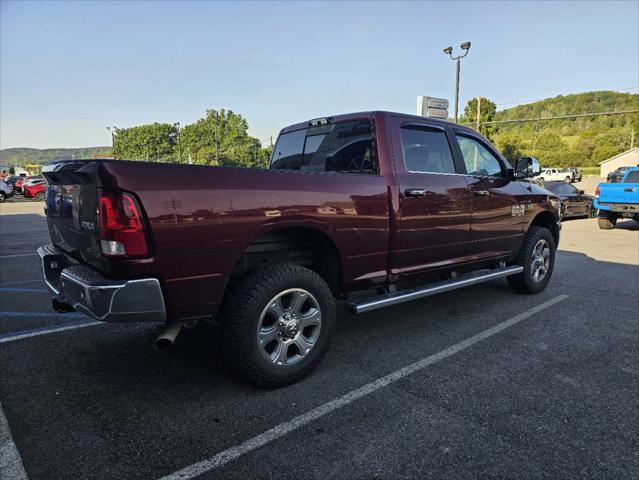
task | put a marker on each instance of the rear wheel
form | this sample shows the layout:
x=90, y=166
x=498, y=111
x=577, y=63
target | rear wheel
x=2, y=197
x=537, y=256
x=40, y=196
x=277, y=322
x=567, y=179
x=606, y=220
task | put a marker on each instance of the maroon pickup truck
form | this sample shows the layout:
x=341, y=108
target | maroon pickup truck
x=394, y=206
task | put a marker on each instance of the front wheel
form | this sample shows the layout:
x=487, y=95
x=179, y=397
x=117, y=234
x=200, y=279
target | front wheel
x=567, y=180
x=537, y=256
x=2, y=197
x=40, y=196
x=277, y=322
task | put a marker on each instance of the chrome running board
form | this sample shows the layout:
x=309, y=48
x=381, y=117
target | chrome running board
x=434, y=288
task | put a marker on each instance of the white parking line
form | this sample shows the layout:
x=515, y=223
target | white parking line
x=11, y=465
x=13, y=336
x=18, y=255
x=285, y=428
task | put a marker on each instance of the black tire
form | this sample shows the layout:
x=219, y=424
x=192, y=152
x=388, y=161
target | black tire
x=567, y=180
x=606, y=220
x=541, y=179
x=2, y=197
x=524, y=282
x=240, y=316
x=40, y=196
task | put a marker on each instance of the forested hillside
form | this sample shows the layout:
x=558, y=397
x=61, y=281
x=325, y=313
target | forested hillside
x=583, y=141
x=23, y=156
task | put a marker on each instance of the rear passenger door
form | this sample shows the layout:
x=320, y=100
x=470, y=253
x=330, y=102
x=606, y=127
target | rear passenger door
x=497, y=220
x=435, y=201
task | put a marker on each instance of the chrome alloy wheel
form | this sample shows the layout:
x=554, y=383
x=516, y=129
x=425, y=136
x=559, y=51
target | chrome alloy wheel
x=540, y=260
x=289, y=326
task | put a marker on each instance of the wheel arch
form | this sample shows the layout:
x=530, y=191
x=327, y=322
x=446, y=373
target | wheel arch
x=302, y=245
x=547, y=220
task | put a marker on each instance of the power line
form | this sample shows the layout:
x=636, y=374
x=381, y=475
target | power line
x=556, y=117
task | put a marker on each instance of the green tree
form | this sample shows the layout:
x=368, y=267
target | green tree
x=221, y=138
x=156, y=141
x=511, y=145
x=487, y=111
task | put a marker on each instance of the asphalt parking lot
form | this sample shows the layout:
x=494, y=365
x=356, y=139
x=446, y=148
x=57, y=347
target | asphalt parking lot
x=499, y=384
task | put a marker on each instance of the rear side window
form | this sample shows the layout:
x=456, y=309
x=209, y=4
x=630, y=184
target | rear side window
x=633, y=177
x=340, y=147
x=426, y=150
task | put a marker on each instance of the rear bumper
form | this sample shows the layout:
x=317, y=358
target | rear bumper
x=629, y=209
x=86, y=290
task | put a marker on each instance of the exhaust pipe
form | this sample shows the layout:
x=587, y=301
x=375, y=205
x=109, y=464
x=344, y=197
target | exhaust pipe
x=165, y=340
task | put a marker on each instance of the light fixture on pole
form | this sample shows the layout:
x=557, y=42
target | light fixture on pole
x=449, y=51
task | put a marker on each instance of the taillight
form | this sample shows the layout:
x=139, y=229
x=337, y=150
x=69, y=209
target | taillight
x=121, y=226
x=597, y=192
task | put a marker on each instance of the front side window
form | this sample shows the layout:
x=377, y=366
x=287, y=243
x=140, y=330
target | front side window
x=561, y=188
x=478, y=159
x=340, y=147
x=426, y=150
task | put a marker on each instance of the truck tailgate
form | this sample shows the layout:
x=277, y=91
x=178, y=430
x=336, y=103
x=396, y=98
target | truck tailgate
x=619, y=193
x=71, y=209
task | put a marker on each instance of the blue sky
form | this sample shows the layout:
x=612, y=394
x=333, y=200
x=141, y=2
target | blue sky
x=68, y=69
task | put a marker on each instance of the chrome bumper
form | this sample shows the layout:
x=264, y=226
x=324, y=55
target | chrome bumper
x=86, y=290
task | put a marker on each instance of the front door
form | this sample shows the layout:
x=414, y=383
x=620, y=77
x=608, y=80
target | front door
x=435, y=201
x=496, y=225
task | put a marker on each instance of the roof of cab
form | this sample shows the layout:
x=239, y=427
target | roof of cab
x=367, y=116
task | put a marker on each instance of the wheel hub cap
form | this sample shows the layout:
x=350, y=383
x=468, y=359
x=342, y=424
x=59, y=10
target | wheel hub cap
x=288, y=325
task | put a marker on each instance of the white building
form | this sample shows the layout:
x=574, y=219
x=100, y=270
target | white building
x=629, y=158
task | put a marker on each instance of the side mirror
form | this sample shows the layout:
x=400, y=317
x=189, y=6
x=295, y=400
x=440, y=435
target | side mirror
x=527, y=167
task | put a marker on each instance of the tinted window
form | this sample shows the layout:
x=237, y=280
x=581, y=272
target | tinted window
x=478, y=159
x=341, y=147
x=561, y=188
x=426, y=150
x=633, y=177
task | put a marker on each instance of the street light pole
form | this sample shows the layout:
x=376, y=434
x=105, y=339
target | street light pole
x=449, y=51
x=112, y=130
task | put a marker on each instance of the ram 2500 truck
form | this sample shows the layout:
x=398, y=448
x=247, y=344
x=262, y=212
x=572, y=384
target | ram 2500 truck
x=398, y=206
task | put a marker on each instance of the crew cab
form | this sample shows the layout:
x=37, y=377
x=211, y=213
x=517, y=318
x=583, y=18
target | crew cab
x=392, y=206
x=554, y=174
x=618, y=200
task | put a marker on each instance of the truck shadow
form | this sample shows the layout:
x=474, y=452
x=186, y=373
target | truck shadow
x=628, y=225
x=196, y=363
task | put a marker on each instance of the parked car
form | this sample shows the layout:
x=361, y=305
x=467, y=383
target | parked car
x=618, y=200
x=32, y=180
x=18, y=185
x=36, y=189
x=6, y=190
x=554, y=174
x=574, y=202
x=617, y=175
x=399, y=206
x=575, y=173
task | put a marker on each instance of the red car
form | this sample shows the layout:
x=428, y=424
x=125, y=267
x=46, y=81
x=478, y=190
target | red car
x=37, y=190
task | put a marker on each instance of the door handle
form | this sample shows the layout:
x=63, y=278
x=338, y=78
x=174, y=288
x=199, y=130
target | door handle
x=481, y=193
x=415, y=192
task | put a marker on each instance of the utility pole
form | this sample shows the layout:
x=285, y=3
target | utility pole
x=271, y=138
x=217, y=146
x=477, y=121
x=449, y=51
x=177, y=126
